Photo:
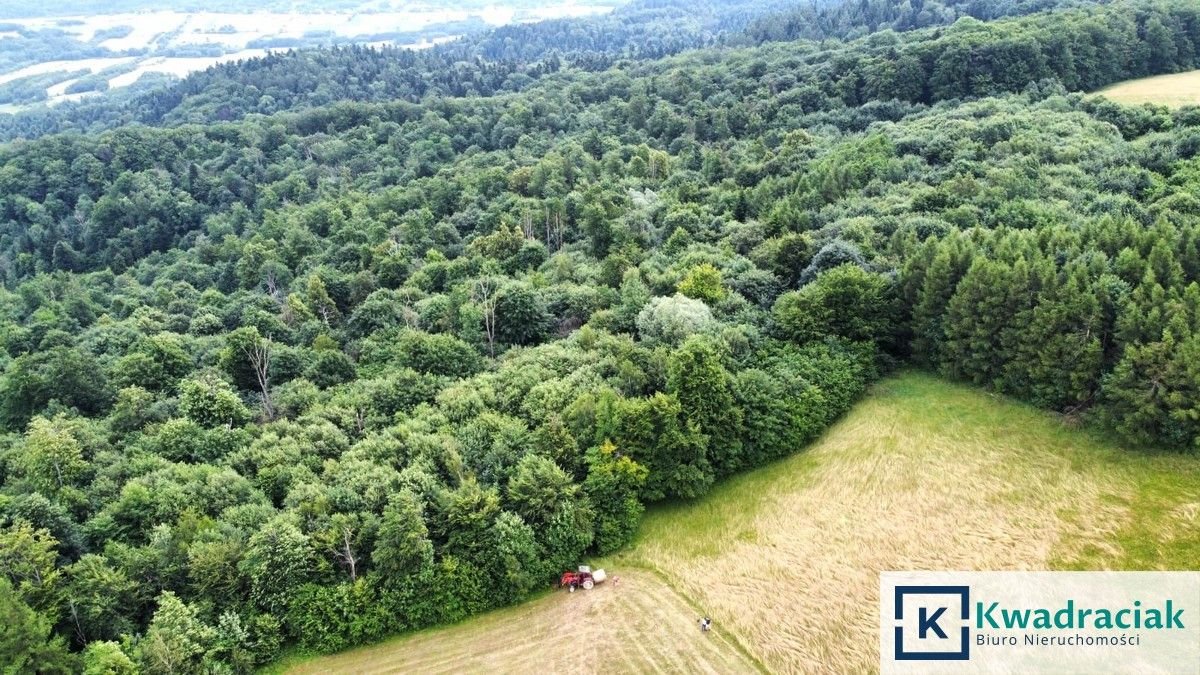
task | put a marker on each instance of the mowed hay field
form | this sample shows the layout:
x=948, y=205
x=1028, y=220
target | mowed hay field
x=1176, y=90
x=641, y=625
x=922, y=474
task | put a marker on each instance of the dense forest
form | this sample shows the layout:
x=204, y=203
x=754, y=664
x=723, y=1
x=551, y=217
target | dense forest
x=505, y=59
x=816, y=21
x=1084, y=48
x=353, y=342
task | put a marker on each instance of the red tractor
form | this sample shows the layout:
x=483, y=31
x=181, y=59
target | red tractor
x=584, y=577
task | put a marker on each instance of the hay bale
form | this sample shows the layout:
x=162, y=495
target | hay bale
x=599, y=576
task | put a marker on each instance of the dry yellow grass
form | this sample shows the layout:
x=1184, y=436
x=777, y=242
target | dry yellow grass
x=1175, y=90
x=922, y=474
x=892, y=487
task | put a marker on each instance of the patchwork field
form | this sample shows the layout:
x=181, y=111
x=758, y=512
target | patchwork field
x=922, y=474
x=236, y=31
x=1175, y=90
x=178, y=43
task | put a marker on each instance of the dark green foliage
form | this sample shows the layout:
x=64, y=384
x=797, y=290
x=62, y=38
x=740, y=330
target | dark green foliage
x=329, y=367
x=435, y=354
x=99, y=597
x=336, y=617
x=538, y=488
x=705, y=391
x=331, y=618
x=61, y=374
x=831, y=256
x=157, y=362
x=403, y=547
x=26, y=643
x=613, y=484
x=549, y=500
x=818, y=21
x=493, y=328
x=516, y=564
x=466, y=517
x=237, y=357
x=786, y=257
x=521, y=315
x=775, y=420
x=1151, y=394
x=177, y=639
x=655, y=433
x=278, y=560
x=846, y=302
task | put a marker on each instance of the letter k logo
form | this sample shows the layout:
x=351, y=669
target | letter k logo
x=936, y=624
x=926, y=622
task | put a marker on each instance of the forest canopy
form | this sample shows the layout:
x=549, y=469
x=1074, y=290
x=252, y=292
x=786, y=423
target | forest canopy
x=346, y=343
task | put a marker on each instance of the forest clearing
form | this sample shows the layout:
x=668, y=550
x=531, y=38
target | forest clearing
x=922, y=474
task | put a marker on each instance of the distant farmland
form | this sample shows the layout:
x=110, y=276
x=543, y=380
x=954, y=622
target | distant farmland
x=178, y=42
x=1175, y=90
x=922, y=474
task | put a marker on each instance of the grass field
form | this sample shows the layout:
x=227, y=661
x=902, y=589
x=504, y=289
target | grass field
x=1175, y=90
x=606, y=630
x=922, y=474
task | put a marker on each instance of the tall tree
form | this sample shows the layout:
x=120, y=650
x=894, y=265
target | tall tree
x=403, y=546
x=27, y=644
x=696, y=377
